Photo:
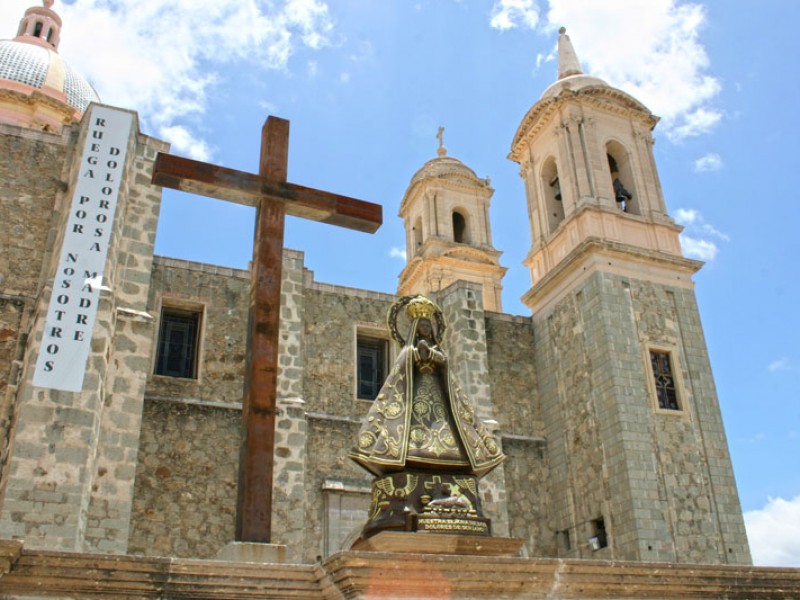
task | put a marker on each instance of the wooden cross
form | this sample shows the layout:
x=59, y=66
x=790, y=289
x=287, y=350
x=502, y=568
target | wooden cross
x=273, y=197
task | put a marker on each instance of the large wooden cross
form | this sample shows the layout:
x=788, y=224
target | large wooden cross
x=273, y=197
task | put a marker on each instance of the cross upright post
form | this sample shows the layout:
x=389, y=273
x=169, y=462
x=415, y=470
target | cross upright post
x=273, y=198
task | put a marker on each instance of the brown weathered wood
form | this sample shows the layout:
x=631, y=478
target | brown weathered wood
x=254, y=517
x=273, y=198
x=246, y=188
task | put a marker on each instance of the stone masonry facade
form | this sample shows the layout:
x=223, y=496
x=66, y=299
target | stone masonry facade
x=661, y=480
x=70, y=458
x=146, y=464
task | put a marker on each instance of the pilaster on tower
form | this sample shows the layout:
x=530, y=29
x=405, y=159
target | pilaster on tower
x=448, y=233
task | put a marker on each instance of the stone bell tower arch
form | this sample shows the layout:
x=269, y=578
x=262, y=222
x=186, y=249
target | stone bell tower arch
x=639, y=464
x=448, y=233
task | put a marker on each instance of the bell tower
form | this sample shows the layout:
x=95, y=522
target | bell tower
x=448, y=234
x=585, y=151
x=639, y=464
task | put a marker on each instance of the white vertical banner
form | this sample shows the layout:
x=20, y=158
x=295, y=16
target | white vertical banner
x=67, y=335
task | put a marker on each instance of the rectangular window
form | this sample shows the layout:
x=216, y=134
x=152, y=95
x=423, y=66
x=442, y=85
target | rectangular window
x=599, y=537
x=664, y=380
x=177, y=343
x=564, y=540
x=371, y=366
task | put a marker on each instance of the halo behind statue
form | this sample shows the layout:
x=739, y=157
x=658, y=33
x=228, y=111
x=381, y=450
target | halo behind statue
x=416, y=306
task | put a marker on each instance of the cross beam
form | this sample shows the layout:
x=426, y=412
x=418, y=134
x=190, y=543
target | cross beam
x=273, y=197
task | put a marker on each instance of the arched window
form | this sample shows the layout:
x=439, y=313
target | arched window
x=553, y=195
x=37, y=29
x=459, y=228
x=417, y=235
x=619, y=168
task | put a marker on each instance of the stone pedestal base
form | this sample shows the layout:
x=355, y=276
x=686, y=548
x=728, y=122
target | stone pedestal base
x=252, y=552
x=446, y=503
x=422, y=542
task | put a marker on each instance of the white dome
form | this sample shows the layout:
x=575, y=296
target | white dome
x=29, y=64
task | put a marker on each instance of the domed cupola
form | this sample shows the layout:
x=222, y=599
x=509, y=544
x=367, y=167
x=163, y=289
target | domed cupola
x=37, y=88
x=448, y=237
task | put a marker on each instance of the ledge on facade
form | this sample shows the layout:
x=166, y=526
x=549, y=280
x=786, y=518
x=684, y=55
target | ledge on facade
x=328, y=417
x=622, y=252
x=39, y=573
x=531, y=439
x=194, y=402
x=190, y=265
x=343, y=290
x=508, y=317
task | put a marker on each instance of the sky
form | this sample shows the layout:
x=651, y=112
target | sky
x=367, y=83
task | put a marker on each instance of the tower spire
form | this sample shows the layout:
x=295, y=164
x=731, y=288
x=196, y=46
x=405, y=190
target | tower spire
x=568, y=63
x=41, y=26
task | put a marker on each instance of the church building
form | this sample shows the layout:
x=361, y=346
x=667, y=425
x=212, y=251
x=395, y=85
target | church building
x=121, y=372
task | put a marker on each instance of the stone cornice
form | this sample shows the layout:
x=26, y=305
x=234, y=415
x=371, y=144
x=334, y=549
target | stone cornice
x=602, y=97
x=594, y=254
x=416, y=188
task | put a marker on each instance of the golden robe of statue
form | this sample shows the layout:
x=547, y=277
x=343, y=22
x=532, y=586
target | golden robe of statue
x=421, y=418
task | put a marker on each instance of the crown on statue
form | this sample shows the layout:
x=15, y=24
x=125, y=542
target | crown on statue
x=420, y=308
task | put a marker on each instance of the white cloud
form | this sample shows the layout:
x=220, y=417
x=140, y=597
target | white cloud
x=312, y=68
x=697, y=248
x=651, y=50
x=344, y=77
x=686, y=216
x=774, y=533
x=709, y=162
x=178, y=51
x=397, y=252
x=507, y=14
x=781, y=364
x=183, y=142
x=694, y=239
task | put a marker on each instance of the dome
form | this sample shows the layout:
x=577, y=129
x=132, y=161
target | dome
x=37, y=88
x=573, y=83
x=34, y=66
x=445, y=167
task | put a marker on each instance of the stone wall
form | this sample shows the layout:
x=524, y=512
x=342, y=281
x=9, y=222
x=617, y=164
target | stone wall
x=31, y=172
x=331, y=317
x=69, y=479
x=696, y=483
x=578, y=485
x=221, y=296
x=512, y=374
x=652, y=474
x=515, y=396
x=185, y=494
x=329, y=441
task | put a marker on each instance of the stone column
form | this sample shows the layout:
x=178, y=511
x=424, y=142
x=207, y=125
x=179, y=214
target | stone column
x=465, y=344
x=288, y=497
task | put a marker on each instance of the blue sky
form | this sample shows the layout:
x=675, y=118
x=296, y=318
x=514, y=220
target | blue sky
x=366, y=84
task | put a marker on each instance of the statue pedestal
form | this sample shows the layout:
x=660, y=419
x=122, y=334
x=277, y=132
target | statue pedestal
x=421, y=542
x=252, y=552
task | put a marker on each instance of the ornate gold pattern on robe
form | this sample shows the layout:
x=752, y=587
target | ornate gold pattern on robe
x=422, y=419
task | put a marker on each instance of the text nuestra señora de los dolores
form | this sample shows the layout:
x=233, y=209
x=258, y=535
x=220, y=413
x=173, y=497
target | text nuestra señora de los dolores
x=67, y=334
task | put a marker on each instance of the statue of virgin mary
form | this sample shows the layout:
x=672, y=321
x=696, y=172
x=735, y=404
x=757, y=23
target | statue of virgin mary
x=422, y=424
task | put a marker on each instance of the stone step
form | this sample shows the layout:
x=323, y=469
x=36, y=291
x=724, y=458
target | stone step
x=32, y=574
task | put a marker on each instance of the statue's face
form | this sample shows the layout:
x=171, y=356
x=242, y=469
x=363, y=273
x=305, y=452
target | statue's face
x=424, y=328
